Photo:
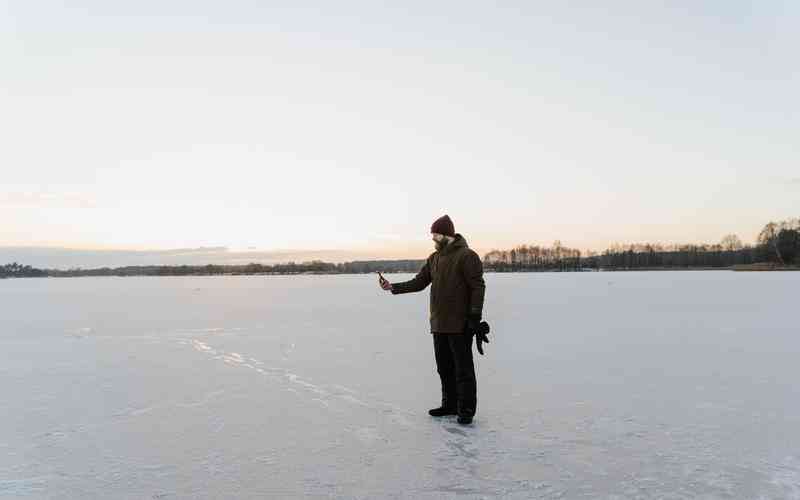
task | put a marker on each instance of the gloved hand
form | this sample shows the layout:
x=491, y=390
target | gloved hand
x=478, y=328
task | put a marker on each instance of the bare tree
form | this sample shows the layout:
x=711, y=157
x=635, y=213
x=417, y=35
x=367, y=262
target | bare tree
x=731, y=243
x=769, y=238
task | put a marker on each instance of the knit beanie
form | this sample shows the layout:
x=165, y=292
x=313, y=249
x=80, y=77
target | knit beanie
x=443, y=225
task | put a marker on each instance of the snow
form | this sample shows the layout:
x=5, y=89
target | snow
x=595, y=385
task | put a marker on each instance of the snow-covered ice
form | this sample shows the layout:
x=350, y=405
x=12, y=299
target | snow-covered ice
x=595, y=385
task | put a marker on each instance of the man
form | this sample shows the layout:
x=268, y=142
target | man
x=456, y=303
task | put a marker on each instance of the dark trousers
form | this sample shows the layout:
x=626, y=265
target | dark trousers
x=456, y=370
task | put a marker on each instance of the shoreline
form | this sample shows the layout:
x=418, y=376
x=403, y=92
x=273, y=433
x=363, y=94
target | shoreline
x=91, y=273
x=200, y=275
x=764, y=267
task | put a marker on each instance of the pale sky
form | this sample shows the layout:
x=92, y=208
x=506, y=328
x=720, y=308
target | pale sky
x=350, y=126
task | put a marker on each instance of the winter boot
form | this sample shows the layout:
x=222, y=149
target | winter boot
x=442, y=411
x=465, y=419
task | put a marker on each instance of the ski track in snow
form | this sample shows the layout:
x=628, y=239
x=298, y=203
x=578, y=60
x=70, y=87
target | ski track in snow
x=454, y=441
x=324, y=395
x=465, y=450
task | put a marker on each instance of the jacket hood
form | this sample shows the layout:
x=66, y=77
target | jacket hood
x=458, y=242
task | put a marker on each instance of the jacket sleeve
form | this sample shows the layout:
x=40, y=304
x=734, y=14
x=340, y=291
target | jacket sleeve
x=472, y=270
x=416, y=284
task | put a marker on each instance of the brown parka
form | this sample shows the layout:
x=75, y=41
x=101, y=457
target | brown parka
x=458, y=288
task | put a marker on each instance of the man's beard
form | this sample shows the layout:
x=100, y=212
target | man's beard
x=440, y=245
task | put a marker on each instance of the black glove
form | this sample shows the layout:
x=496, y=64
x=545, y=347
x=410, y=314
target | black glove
x=478, y=328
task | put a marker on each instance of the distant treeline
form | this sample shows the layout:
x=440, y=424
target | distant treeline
x=15, y=270
x=619, y=257
x=777, y=243
x=535, y=258
x=314, y=267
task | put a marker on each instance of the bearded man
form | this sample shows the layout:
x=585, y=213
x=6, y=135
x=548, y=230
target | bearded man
x=455, y=273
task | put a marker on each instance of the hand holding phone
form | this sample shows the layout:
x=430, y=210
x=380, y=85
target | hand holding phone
x=383, y=282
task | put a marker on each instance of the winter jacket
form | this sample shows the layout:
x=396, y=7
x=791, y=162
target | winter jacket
x=456, y=276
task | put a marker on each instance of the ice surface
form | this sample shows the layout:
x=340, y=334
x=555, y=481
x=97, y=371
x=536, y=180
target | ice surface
x=596, y=385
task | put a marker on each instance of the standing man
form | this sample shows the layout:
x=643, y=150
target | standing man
x=456, y=274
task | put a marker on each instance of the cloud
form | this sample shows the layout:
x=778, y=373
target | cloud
x=45, y=200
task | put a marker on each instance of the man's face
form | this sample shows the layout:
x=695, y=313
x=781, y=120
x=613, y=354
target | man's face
x=439, y=241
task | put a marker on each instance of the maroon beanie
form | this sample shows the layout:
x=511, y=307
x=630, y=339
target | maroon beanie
x=443, y=225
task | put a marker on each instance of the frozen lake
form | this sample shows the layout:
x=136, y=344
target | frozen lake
x=595, y=385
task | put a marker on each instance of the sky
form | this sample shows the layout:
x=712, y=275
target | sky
x=347, y=127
